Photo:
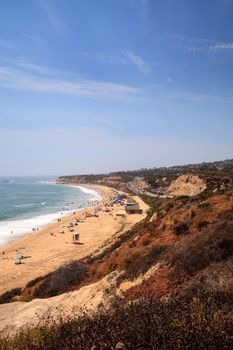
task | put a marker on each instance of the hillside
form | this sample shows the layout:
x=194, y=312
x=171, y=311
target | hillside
x=155, y=181
x=166, y=283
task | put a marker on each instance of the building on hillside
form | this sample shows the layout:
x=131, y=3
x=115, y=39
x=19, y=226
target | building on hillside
x=132, y=207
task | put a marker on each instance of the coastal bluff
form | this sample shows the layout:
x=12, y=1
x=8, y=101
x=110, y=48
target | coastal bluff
x=113, y=181
x=187, y=185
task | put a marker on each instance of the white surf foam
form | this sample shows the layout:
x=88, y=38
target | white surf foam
x=13, y=229
x=96, y=195
x=9, y=230
x=24, y=205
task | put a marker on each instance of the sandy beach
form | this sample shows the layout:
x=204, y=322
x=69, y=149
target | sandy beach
x=49, y=248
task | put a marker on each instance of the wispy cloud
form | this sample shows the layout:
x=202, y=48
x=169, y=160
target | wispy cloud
x=36, y=68
x=52, y=17
x=143, y=5
x=206, y=46
x=7, y=44
x=104, y=58
x=190, y=96
x=218, y=47
x=126, y=57
x=141, y=65
x=28, y=76
x=40, y=80
x=169, y=80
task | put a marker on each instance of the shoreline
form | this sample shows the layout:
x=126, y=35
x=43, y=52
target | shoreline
x=41, y=221
x=52, y=246
x=60, y=216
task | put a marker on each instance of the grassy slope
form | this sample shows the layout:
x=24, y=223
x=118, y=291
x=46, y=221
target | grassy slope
x=192, y=242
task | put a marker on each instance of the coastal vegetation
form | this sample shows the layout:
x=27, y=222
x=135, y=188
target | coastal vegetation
x=173, y=287
x=194, y=321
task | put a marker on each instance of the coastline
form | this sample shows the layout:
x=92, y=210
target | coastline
x=22, y=227
x=52, y=246
x=104, y=198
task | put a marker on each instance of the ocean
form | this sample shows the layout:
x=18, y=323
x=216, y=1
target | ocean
x=28, y=203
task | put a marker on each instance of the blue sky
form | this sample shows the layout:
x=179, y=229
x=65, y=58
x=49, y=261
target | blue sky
x=93, y=86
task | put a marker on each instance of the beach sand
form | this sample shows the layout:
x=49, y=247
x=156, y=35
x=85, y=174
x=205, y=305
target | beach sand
x=48, y=248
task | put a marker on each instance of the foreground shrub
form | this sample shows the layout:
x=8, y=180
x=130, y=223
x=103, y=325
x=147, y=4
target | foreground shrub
x=181, y=229
x=128, y=260
x=201, y=322
x=58, y=281
x=143, y=262
x=201, y=224
x=195, y=253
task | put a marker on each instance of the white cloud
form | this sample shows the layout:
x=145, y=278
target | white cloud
x=206, y=46
x=221, y=47
x=142, y=66
x=36, y=68
x=104, y=58
x=28, y=76
x=26, y=80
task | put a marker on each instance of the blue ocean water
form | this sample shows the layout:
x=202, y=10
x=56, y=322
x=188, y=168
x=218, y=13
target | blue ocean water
x=27, y=202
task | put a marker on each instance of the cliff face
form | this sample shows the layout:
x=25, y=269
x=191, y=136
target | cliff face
x=116, y=182
x=27, y=314
x=82, y=179
x=187, y=185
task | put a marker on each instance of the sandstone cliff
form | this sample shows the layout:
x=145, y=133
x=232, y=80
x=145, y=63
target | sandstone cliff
x=187, y=185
